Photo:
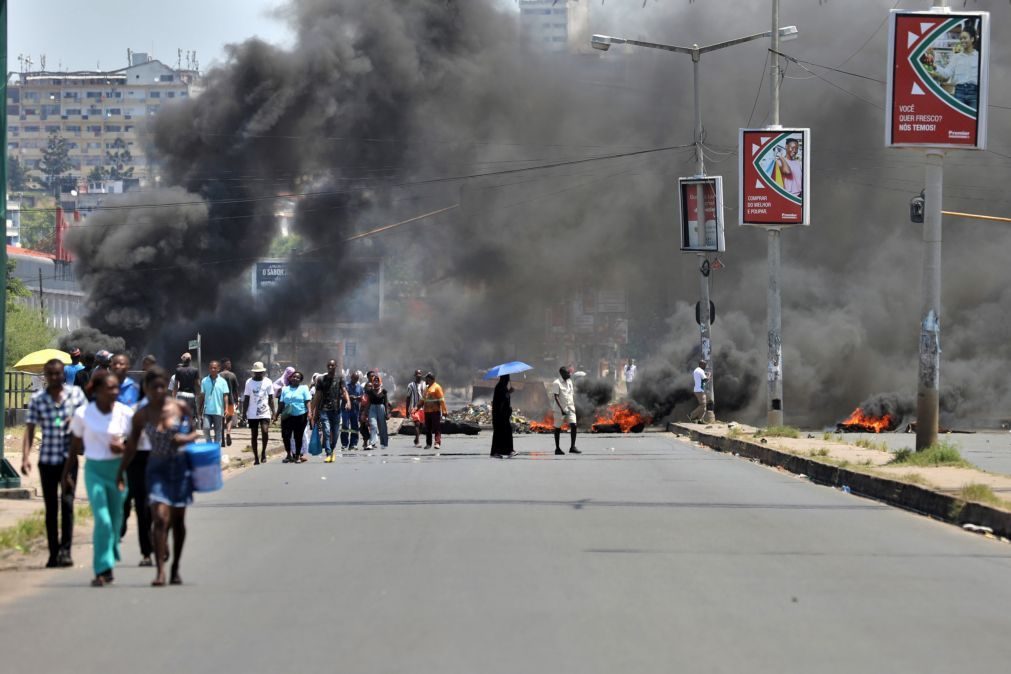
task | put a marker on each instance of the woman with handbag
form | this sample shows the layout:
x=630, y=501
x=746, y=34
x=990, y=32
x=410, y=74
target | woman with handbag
x=293, y=412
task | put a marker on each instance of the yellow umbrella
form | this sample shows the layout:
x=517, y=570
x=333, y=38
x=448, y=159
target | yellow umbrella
x=35, y=362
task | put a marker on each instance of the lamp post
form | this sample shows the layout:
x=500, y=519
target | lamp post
x=603, y=43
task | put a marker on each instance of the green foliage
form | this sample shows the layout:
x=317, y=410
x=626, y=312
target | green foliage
x=97, y=174
x=38, y=229
x=17, y=177
x=777, y=432
x=119, y=159
x=55, y=159
x=867, y=444
x=941, y=454
x=26, y=332
x=15, y=286
x=826, y=436
x=982, y=493
x=819, y=452
x=31, y=530
x=283, y=246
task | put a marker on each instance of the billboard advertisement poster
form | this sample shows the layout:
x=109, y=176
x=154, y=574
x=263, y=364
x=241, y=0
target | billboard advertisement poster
x=363, y=305
x=775, y=180
x=702, y=234
x=938, y=66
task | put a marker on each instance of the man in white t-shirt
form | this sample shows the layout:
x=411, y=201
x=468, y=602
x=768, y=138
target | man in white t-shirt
x=563, y=406
x=258, y=402
x=629, y=374
x=699, y=389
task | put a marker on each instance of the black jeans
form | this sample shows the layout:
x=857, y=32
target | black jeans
x=54, y=495
x=293, y=426
x=136, y=493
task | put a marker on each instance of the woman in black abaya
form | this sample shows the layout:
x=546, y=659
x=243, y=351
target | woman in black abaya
x=501, y=419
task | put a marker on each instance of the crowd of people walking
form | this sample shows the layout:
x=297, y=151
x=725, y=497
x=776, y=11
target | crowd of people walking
x=132, y=433
x=132, y=436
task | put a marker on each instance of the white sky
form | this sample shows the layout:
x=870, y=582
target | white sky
x=97, y=33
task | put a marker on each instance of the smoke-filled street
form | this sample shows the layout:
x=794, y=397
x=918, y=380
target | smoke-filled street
x=657, y=556
x=519, y=336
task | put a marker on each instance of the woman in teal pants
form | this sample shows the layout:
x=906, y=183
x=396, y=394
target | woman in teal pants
x=99, y=431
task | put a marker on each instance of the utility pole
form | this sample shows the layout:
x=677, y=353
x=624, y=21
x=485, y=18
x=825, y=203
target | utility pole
x=8, y=476
x=774, y=306
x=704, y=268
x=928, y=379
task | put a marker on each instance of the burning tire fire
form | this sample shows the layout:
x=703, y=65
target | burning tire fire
x=861, y=422
x=620, y=418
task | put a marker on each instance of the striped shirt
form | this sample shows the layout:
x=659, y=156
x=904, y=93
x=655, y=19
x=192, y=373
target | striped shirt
x=54, y=420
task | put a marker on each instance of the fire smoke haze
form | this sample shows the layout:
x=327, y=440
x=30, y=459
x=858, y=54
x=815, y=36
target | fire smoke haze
x=379, y=101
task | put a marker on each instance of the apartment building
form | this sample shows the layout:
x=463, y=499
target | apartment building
x=556, y=25
x=91, y=110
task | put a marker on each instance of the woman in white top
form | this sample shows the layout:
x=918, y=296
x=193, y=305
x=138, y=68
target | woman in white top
x=99, y=432
x=962, y=70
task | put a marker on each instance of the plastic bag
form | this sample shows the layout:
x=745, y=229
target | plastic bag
x=312, y=440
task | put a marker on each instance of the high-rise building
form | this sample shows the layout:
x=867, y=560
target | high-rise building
x=95, y=112
x=556, y=25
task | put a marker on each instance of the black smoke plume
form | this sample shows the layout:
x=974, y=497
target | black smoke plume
x=381, y=108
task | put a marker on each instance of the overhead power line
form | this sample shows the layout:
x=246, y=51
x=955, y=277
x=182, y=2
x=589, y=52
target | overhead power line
x=414, y=183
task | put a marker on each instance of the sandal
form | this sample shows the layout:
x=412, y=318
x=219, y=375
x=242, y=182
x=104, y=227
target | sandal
x=158, y=583
x=98, y=581
x=146, y=562
x=176, y=580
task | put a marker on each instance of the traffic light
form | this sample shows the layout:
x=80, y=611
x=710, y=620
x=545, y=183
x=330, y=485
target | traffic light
x=916, y=206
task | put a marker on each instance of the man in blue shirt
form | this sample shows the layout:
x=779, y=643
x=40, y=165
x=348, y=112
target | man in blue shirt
x=129, y=392
x=214, y=397
x=70, y=371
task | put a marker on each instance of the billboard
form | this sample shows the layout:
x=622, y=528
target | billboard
x=267, y=273
x=703, y=234
x=774, y=186
x=362, y=303
x=938, y=70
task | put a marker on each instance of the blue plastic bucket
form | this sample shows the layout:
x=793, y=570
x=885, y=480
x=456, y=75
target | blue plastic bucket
x=205, y=465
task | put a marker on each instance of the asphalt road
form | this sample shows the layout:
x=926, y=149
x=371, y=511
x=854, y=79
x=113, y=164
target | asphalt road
x=658, y=556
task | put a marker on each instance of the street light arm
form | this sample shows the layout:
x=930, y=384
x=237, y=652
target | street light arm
x=731, y=43
x=609, y=40
x=785, y=32
x=665, y=47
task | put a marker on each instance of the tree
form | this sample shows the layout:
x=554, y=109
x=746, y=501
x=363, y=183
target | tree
x=55, y=159
x=15, y=286
x=119, y=159
x=26, y=331
x=38, y=229
x=26, y=327
x=97, y=175
x=17, y=177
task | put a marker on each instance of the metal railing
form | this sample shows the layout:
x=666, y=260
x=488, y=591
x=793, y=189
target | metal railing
x=17, y=389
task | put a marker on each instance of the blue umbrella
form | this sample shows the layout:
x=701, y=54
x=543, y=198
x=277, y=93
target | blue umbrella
x=507, y=368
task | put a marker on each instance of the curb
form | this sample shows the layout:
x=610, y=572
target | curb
x=19, y=493
x=912, y=497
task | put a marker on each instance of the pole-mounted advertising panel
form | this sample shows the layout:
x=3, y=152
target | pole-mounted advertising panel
x=775, y=181
x=702, y=234
x=937, y=79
